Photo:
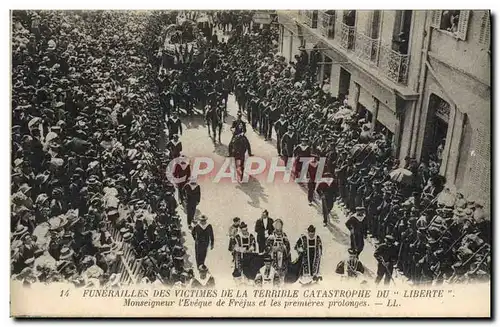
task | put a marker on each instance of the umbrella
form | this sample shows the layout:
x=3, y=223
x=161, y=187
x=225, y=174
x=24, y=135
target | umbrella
x=401, y=175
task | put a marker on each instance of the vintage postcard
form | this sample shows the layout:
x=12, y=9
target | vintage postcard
x=229, y=163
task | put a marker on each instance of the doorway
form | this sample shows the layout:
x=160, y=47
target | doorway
x=344, y=83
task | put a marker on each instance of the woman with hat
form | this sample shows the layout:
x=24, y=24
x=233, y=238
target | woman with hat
x=203, y=235
x=355, y=225
x=386, y=255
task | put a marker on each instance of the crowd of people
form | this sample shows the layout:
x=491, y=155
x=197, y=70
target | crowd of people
x=89, y=193
x=92, y=93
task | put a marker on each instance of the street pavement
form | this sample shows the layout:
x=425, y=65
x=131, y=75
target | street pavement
x=223, y=201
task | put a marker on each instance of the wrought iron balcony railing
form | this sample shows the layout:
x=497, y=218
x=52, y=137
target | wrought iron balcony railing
x=327, y=24
x=367, y=48
x=347, y=36
x=394, y=64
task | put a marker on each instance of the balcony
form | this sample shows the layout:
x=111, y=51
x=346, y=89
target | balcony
x=327, y=24
x=394, y=65
x=367, y=48
x=347, y=36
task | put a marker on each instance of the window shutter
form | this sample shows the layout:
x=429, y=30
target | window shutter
x=484, y=36
x=463, y=23
x=436, y=18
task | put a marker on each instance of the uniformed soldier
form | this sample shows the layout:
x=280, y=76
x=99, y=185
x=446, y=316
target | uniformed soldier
x=327, y=191
x=273, y=115
x=281, y=126
x=174, y=146
x=193, y=196
x=288, y=143
x=312, y=171
x=267, y=277
x=233, y=230
x=204, y=279
x=263, y=117
x=303, y=150
x=386, y=255
x=352, y=267
x=174, y=126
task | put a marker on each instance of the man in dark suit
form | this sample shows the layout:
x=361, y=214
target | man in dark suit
x=193, y=197
x=263, y=228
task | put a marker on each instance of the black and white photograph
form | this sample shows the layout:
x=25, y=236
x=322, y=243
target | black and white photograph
x=260, y=150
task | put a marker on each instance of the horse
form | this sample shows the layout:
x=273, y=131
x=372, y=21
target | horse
x=238, y=148
x=214, y=118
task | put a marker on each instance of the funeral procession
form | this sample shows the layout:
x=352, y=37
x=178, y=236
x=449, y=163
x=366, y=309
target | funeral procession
x=258, y=148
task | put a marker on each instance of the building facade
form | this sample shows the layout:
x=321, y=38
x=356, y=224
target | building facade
x=421, y=77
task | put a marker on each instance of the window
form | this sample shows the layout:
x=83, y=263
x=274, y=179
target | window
x=453, y=21
x=402, y=26
x=484, y=35
x=374, y=24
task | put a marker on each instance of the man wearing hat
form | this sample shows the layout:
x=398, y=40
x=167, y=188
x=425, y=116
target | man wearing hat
x=355, y=224
x=327, y=191
x=281, y=127
x=174, y=146
x=174, y=126
x=386, y=255
x=192, y=192
x=312, y=171
x=204, y=278
x=381, y=213
x=310, y=250
x=267, y=277
x=352, y=267
x=203, y=235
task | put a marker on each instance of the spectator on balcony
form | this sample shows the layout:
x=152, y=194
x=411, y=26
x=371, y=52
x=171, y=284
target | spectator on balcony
x=403, y=43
